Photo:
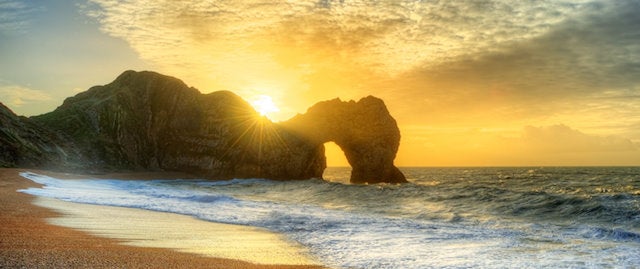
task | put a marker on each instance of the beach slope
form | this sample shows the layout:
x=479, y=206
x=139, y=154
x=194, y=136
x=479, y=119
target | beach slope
x=28, y=240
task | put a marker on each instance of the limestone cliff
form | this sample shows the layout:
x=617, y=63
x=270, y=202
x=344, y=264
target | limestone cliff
x=364, y=130
x=26, y=144
x=146, y=121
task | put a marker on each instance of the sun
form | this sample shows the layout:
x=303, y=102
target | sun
x=264, y=105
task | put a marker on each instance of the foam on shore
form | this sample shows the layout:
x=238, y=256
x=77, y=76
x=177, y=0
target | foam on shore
x=143, y=228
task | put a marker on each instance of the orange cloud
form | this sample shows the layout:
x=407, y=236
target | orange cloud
x=547, y=145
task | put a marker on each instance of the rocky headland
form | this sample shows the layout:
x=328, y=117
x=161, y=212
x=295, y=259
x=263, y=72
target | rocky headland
x=145, y=121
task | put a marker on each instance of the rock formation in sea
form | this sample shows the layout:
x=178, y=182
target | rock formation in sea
x=145, y=121
x=364, y=130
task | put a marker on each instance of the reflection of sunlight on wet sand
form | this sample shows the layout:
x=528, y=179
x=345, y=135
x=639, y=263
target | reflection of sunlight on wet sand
x=143, y=228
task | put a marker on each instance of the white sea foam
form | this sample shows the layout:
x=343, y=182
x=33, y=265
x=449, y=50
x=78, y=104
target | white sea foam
x=352, y=226
x=145, y=228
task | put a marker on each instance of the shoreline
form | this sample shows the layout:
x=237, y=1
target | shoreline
x=27, y=239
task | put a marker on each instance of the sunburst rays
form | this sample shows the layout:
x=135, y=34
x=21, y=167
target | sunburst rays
x=257, y=138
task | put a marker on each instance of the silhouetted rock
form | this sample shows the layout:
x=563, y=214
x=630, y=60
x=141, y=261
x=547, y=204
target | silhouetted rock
x=364, y=130
x=145, y=121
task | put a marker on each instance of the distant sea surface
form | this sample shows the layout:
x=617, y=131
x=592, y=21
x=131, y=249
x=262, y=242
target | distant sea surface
x=565, y=217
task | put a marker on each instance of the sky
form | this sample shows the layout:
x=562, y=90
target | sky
x=470, y=83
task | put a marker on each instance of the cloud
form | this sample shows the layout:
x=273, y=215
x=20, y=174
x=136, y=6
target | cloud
x=550, y=139
x=389, y=36
x=531, y=145
x=598, y=49
x=581, y=68
x=563, y=139
x=16, y=96
x=310, y=50
x=16, y=16
x=563, y=145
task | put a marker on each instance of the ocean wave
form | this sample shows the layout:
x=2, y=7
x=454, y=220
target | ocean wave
x=514, y=217
x=616, y=234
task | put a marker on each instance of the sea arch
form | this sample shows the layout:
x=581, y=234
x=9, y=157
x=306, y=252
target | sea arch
x=338, y=168
x=364, y=130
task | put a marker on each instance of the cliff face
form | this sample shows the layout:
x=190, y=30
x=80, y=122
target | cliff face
x=26, y=144
x=147, y=121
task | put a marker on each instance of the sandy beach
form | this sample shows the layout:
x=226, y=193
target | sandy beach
x=29, y=240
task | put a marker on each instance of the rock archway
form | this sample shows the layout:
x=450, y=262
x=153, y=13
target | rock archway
x=335, y=155
x=364, y=130
x=338, y=168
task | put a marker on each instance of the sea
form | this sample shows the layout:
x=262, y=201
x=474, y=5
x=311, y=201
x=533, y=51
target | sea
x=505, y=217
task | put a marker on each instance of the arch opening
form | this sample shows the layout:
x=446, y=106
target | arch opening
x=338, y=168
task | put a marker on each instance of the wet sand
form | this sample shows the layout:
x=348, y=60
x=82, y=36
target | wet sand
x=28, y=239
